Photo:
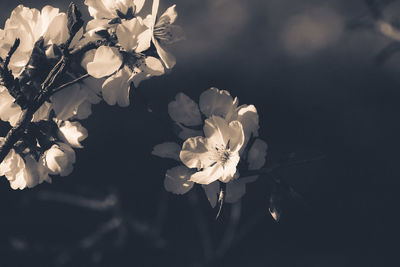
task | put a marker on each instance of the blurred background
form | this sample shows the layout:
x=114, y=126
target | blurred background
x=324, y=76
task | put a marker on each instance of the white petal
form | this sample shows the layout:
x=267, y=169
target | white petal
x=167, y=150
x=116, y=88
x=57, y=31
x=154, y=10
x=208, y=174
x=247, y=115
x=177, y=180
x=167, y=58
x=169, y=16
x=107, y=60
x=138, y=5
x=153, y=66
x=9, y=111
x=184, y=110
x=98, y=10
x=72, y=133
x=219, y=132
x=133, y=35
x=149, y=67
x=66, y=102
x=195, y=154
x=216, y=102
x=187, y=133
x=43, y=112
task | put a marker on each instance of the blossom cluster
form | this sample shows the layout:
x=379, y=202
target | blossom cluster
x=121, y=45
x=220, y=139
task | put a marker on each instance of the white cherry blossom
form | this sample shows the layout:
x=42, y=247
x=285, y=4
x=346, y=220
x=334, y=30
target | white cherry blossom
x=164, y=33
x=29, y=24
x=59, y=159
x=217, y=154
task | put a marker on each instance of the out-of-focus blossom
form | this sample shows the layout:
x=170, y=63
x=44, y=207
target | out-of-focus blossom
x=59, y=159
x=110, y=9
x=257, y=154
x=29, y=24
x=184, y=110
x=215, y=155
x=167, y=150
x=177, y=180
x=72, y=133
x=217, y=102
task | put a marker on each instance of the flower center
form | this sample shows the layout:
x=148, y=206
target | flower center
x=222, y=154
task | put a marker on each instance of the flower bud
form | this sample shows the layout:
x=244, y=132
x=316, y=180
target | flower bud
x=72, y=133
x=59, y=159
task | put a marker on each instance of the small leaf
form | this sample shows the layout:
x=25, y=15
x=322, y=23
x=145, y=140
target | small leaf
x=274, y=206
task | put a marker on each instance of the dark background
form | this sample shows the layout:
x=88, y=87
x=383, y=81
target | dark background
x=317, y=89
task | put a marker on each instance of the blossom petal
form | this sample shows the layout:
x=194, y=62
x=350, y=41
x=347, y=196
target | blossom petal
x=195, y=154
x=216, y=102
x=72, y=133
x=257, y=154
x=184, y=110
x=9, y=111
x=138, y=5
x=107, y=60
x=169, y=16
x=247, y=115
x=186, y=133
x=209, y=174
x=42, y=113
x=57, y=31
x=167, y=150
x=66, y=102
x=116, y=88
x=167, y=58
x=154, y=10
x=219, y=132
x=133, y=35
x=149, y=67
x=97, y=9
x=212, y=192
x=177, y=180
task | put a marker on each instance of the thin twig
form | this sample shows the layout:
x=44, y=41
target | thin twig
x=70, y=83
